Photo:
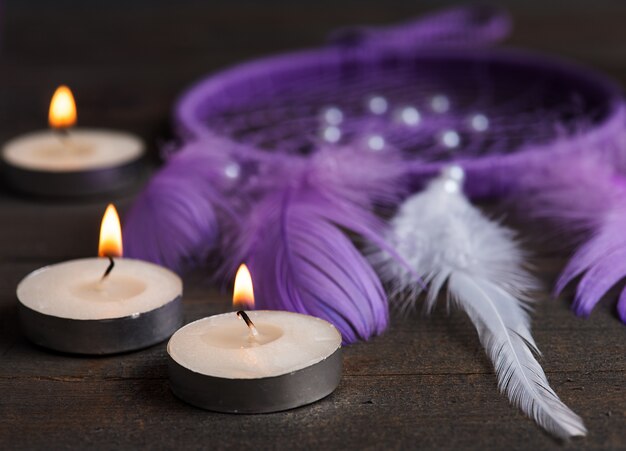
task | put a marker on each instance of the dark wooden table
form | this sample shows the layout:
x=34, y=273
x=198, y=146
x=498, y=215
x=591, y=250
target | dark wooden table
x=424, y=383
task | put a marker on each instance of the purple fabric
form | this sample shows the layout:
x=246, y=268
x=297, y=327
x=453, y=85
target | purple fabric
x=266, y=118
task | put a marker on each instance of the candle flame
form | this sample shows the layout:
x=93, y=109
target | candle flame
x=243, y=294
x=62, y=113
x=110, y=234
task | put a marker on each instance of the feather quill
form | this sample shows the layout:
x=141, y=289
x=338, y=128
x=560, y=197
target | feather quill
x=586, y=200
x=447, y=240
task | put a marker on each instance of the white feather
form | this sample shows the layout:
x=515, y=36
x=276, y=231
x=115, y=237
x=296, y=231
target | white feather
x=446, y=239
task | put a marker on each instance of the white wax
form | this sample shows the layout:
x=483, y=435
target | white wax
x=79, y=150
x=221, y=345
x=74, y=290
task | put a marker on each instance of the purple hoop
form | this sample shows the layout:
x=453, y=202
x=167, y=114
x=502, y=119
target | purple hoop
x=197, y=102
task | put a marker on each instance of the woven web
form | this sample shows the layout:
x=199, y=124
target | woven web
x=464, y=108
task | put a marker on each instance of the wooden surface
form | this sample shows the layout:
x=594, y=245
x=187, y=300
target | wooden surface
x=425, y=383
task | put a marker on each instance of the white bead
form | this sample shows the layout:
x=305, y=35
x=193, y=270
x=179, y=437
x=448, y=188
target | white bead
x=332, y=115
x=410, y=116
x=376, y=142
x=451, y=186
x=331, y=134
x=232, y=170
x=450, y=139
x=454, y=172
x=479, y=122
x=377, y=105
x=440, y=103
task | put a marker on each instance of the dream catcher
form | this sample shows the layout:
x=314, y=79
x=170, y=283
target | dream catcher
x=297, y=163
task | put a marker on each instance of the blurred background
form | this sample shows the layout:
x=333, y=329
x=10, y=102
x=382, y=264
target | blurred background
x=127, y=60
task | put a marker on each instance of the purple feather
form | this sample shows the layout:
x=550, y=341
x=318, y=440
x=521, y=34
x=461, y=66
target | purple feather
x=174, y=221
x=359, y=175
x=299, y=256
x=301, y=261
x=621, y=306
x=601, y=275
x=588, y=196
x=361, y=181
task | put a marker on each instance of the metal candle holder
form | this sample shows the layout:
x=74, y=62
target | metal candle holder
x=262, y=395
x=72, y=183
x=102, y=336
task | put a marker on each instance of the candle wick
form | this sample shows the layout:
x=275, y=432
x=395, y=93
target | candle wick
x=244, y=316
x=65, y=137
x=109, y=268
x=63, y=133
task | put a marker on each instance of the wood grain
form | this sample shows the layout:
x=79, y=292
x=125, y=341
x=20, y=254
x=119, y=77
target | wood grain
x=425, y=383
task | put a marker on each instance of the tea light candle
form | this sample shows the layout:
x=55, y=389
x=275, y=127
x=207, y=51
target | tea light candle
x=256, y=362
x=100, y=306
x=64, y=161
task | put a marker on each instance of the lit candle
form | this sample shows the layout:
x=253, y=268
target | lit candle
x=254, y=362
x=65, y=161
x=100, y=305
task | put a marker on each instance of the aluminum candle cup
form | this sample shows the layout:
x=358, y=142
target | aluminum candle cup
x=65, y=162
x=218, y=364
x=68, y=308
x=85, y=162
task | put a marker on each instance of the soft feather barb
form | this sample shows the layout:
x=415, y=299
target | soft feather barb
x=174, y=221
x=584, y=198
x=447, y=240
